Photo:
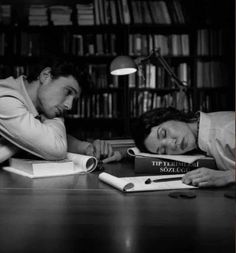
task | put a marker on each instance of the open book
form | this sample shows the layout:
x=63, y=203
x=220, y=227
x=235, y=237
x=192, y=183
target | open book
x=74, y=164
x=147, y=163
x=144, y=183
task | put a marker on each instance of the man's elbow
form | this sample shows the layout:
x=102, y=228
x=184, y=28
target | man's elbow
x=58, y=153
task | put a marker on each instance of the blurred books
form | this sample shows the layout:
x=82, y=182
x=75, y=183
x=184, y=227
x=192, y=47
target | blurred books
x=60, y=15
x=38, y=15
x=85, y=14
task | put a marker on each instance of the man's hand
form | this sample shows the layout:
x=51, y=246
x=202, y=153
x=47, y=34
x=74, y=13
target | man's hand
x=204, y=177
x=102, y=150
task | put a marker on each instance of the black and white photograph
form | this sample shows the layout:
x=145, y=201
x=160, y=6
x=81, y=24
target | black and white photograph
x=117, y=126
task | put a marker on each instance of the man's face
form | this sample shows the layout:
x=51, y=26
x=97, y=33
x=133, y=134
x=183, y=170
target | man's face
x=55, y=96
x=171, y=137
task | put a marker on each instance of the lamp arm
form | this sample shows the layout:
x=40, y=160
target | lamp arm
x=168, y=69
x=174, y=78
x=155, y=53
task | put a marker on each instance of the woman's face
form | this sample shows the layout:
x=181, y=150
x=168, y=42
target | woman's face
x=172, y=138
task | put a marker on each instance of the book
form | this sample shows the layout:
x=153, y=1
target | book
x=144, y=183
x=152, y=164
x=113, y=12
x=73, y=164
x=147, y=15
x=126, y=11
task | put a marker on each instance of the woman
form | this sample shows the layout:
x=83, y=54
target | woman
x=169, y=131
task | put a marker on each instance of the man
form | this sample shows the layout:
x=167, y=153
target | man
x=31, y=115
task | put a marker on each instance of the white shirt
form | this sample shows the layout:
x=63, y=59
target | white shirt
x=20, y=129
x=217, y=138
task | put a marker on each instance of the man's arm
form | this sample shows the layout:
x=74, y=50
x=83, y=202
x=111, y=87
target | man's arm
x=46, y=139
x=99, y=148
x=7, y=150
x=77, y=146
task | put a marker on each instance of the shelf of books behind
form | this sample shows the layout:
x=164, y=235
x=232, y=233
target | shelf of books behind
x=91, y=33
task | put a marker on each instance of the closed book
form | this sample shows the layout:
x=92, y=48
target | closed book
x=151, y=164
x=74, y=164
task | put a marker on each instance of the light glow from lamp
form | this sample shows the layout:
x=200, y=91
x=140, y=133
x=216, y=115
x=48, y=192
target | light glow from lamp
x=122, y=65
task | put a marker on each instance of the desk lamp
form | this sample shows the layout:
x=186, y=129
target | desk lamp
x=125, y=65
x=122, y=65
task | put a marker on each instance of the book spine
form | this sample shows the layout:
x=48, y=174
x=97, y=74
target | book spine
x=147, y=165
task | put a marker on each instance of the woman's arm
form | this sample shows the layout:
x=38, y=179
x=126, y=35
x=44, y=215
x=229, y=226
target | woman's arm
x=204, y=177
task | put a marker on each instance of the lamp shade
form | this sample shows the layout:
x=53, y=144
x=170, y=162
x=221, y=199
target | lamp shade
x=122, y=65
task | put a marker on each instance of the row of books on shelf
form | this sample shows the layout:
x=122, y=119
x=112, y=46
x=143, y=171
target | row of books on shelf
x=105, y=105
x=155, y=77
x=209, y=42
x=38, y=15
x=99, y=12
x=96, y=106
x=98, y=76
x=60, y=14
x=142, y=101
x=173, y=44
x=90, y=44
x=41, y=15
x=211, y=74
x=138, y=12
x=5, y=14
x=209, y=102
x=33, y=44
x=157, y=12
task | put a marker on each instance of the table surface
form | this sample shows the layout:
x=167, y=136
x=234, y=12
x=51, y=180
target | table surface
x=81, y=214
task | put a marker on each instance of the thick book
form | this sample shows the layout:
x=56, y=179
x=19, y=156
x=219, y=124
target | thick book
x=152, y=164
x=73, y=164
x=144, y=183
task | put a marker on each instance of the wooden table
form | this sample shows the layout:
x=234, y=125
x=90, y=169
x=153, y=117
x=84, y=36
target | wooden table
x=82, y=214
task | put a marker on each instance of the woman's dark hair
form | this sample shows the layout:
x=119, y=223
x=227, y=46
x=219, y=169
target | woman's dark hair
x=141, y=128
x=59, y=67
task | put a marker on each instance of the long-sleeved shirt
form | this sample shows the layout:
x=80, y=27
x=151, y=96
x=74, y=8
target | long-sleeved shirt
x=20, y=129
x=217, y=138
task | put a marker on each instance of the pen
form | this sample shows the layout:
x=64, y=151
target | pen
x=149, y=181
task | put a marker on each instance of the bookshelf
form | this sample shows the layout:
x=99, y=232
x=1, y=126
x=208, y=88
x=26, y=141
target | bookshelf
x=196, y=38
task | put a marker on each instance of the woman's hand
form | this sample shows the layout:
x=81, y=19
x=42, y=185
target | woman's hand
x=102, y=150
x=204, y=177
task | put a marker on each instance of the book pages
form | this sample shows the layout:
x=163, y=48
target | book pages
x=83, y=163
x=73, y=164
x=182, y=158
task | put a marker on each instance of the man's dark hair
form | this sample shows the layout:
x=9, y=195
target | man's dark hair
x=59, y=67
x=141, y=128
